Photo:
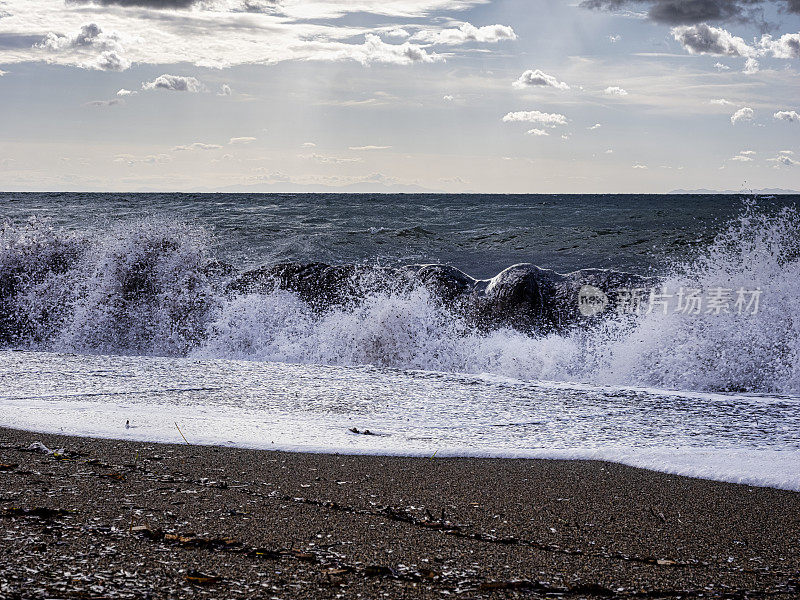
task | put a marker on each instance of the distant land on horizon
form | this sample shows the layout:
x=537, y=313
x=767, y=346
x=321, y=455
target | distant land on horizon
x=760, y=192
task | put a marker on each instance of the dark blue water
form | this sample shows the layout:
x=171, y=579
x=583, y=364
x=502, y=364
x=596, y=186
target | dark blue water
x=480, y=234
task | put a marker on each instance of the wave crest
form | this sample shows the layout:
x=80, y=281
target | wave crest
x=153, y=288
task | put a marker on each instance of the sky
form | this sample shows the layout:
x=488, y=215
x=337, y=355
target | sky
x=488, y=96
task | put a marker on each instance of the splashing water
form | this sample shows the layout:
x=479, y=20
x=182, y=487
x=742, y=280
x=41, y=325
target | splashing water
x=145, y=288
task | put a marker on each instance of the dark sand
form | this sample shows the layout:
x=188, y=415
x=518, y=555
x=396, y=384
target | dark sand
x=147, y=520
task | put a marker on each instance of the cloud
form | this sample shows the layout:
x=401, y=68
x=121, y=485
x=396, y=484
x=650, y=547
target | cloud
x=174, y=83
x=3, y=72
x=90, y=48
x=239, y=141
x=715, y=41
x=720, y=102
x=743, y=115
x=537, y=132
x=225, y=33
x=704, y=39
x=308, y=145
x=124, y=92
x=225, y=90
x=539, y=78
x=375, y=50
x=615, y=91
x=196, y=146
x=792, y=116
x=466, y=32
x=448, y=98
x=534, y=116
x=744, y=156
x=614, y=38
x=787, y=46
x=785, y=159
x=640, y=166
x=105, y=103
x=368, y=148
x=720, y=67
x=751, y=66
x=595, y=126
x=159, y=4
x=150, y=159
x=689, y=12
x=397, y=33
x=329, y=160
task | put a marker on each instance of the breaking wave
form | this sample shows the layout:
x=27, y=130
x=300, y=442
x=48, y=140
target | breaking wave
x=153, y=288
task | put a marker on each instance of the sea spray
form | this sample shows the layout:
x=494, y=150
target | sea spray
x=145, y=288
x=136, y=288
x=755, y=349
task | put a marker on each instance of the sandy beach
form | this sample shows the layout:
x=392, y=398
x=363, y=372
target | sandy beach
x=114, y=519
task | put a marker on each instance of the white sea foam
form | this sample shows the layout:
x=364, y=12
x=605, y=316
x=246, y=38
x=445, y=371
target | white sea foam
x=741, y=439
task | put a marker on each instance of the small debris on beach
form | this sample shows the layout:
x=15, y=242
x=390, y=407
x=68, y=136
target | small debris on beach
x=199, y=578
x=365, y=432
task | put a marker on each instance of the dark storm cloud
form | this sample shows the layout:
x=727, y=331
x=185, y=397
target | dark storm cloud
x=689, y=12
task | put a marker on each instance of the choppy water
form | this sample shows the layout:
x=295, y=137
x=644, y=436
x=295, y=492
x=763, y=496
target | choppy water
x=119, y=319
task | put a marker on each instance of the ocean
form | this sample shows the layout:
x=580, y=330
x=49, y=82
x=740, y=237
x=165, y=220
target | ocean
x=120, y=308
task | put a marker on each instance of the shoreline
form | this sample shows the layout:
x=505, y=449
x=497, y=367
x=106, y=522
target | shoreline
x=775, y=469
x=115, y=519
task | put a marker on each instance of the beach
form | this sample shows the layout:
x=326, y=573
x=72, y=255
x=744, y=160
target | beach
x=99, y=518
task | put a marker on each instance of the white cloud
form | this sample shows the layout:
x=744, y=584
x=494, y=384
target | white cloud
x=466, y=32
x=595, y=126
x=614, y=38
x=174, y=83
x=375, y=50
x=448, y=98
x=751, y=66
x=704, y=39
x=219, y=33
x=537, y=132
x=239, y=141
x=615, y=91
x=531, y=78
x=329, y=160
x=743, y=115
x=3, y=72
x=744, y=156
x=91, y=48
x=609, y=151
x=225, y=90
x=150, y=159
x=398, y=33
x=640, y=166
x=792, y=116
x=720, y=67
x=196, y=146
x=308, y=145
x=784, y=159
x=368, y=148
x=720, y=102
x=787, y=46
x=534, y=116
x=124, y=92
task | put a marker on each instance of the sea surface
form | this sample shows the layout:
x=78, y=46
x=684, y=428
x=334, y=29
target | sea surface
x=110, y=314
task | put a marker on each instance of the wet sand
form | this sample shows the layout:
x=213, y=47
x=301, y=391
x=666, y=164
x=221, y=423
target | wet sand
x=114, y=519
